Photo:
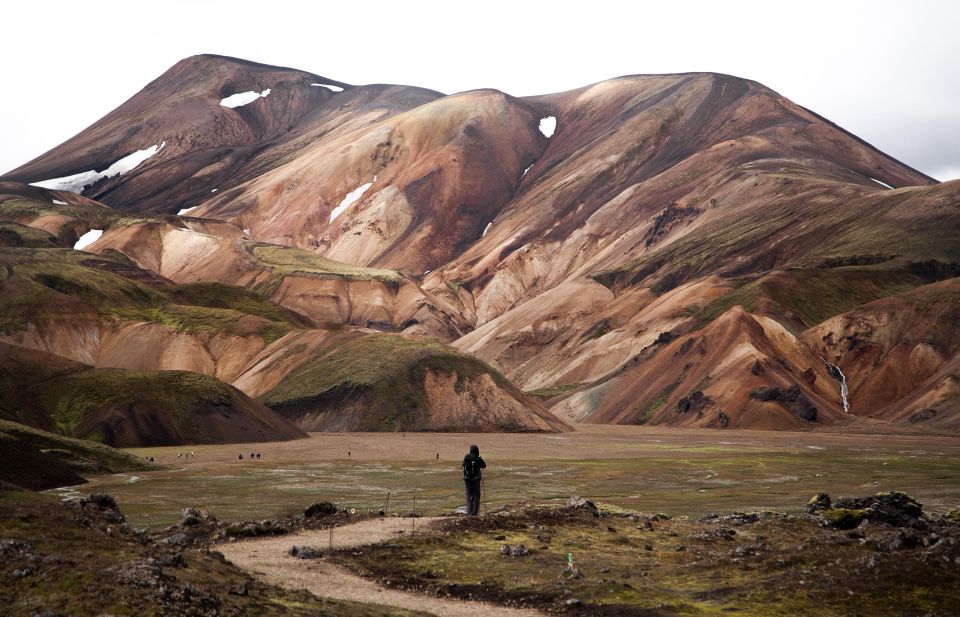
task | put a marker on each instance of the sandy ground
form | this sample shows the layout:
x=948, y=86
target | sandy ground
x=269, y=560
x=587, y=442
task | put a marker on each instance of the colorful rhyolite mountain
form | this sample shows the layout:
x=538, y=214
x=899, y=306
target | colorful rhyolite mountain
x=691, y=250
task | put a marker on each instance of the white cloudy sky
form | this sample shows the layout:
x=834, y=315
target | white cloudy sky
x=887, y=71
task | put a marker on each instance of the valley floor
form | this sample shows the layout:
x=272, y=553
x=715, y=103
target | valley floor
x=649, y=469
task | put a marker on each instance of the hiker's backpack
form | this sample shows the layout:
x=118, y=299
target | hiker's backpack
x=471, y=469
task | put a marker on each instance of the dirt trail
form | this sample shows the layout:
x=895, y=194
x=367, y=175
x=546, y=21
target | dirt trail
x=269, y=560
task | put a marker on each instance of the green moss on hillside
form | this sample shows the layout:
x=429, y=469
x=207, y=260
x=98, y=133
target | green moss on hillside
x=35, y=459
x=70, y=399
x=47, y=283
x=384, y=372
x=14, y=234
x=552, y=391
x=805, y=297
x=288, y=260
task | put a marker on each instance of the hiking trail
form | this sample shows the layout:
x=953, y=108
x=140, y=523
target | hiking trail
x=270, y=561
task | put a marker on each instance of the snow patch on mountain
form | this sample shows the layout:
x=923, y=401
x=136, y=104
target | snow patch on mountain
x=185, y=210
x=76, y=182
x=88, y=238
x=243, y=98
x=57, y=202
x=548, y=125
x=880, y=182
x=351, y=197
x=329, y=87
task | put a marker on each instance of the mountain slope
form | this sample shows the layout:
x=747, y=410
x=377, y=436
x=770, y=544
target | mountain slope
x=665, y=213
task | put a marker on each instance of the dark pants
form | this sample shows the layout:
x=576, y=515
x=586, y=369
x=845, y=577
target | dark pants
x=473, y=497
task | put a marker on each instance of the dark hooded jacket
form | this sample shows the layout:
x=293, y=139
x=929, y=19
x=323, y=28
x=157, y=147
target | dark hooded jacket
x=472, y=464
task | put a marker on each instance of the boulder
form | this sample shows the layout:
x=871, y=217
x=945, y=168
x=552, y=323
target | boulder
x=320, y=508
x=584, y=504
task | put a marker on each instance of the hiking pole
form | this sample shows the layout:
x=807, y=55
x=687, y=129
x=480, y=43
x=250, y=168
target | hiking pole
x=483, y=492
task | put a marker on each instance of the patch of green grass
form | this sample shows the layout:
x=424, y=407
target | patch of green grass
x=221, y=296
x=288, y=260
x=654, y=406
x=673, y=567
x=553, y=391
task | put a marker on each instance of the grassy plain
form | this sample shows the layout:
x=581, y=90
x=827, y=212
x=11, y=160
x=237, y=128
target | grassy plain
x=648, y=469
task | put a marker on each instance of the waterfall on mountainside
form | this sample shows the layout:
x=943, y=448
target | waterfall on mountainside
x=837, y=374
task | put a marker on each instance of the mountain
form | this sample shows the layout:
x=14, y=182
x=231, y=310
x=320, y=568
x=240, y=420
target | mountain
x=689, y=249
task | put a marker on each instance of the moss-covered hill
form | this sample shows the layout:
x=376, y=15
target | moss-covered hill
x=52, y=284
x=388, y=382
x=37, y=460
x=130, y=408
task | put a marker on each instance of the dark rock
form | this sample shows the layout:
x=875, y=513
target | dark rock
x=757, y=368
x=305, y=552
x=793, y=398
x=895, y=508
x=515, y=551
x=923, y=415
x=696, y=402
x=238, y=590
x=103, y=500
x=321, y=508
x=664, y=338
x=177, y=539
x=820, y=501
x=585, y=504
x=172, y=560
x=572, y=574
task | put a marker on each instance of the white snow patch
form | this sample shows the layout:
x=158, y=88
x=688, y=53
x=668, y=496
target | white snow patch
x=486, y=229
x=882, y=183
x=243, y=98
x=548, y=125
x=185, y=210
x=329, y=86
x=246, y=232
x=526, y=170
x=76, y=182
x=426, y=272
x=351, y=197
x=213, y=190
x=88, y=238
x=57, y=202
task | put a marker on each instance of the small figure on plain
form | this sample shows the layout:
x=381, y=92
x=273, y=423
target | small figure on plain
x=258, y=456
x=438, y=456
x=472, y=464
x=241, y=456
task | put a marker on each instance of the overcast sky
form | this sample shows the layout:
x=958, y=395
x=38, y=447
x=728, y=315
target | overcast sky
x=887, y=71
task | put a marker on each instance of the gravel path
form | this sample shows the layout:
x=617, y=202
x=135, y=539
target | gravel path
x=270, y=561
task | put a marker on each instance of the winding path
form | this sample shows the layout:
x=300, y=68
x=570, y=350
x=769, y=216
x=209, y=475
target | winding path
x=269, y=560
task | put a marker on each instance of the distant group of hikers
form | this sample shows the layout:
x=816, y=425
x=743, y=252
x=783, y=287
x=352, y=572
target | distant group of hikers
x=252, y=456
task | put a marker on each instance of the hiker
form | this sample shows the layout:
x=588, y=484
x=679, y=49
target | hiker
x=472, y=464
x=241, y=456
